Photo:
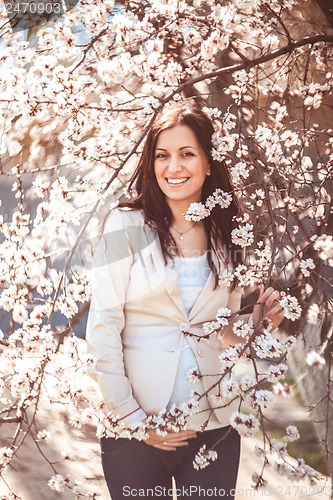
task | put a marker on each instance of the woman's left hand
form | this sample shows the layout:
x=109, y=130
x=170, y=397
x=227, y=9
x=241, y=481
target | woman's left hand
x=272, y=309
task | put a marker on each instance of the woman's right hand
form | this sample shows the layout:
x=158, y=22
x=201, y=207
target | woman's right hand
x=171, y=440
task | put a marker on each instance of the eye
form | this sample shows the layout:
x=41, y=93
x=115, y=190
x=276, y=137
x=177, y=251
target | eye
x=188, y=153
x=160, y=155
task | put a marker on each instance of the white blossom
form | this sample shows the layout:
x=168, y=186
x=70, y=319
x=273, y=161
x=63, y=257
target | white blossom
x=313, y=314
x=209, y=327
x=262, y=399
x=226, y=278
x=258, y=196
x=313, y=358
x=203, y=457
x=239, y=171
x=213, y=112
x=221, y=316
x=305, y=265
x=5, y=456
x=259, y=481
x=196, y=212
x=244, y=275
x=229, y=388
x=292, y=433
x=291, y=308
x=324, y=245
x=222, y=198
x=279, y=447
x=45, y=286
x=246, y=425
x=275, y=372
x=44, y=436
x=243, y=236
x=284, y=389
x=229, y=357
x=222, y=312
x=189, y=407
x=67, y=306
x=267, y=346
x=242, y=329
x=57, y=483
x=246, y=382
x=192, y=376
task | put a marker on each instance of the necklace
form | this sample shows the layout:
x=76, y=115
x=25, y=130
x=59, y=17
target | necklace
x=181, y=237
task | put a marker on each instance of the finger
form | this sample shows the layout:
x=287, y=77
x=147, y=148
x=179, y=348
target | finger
x=276, y=309
x=280, y=316
x=183, y=443
x=270, y=294
x=175, y=443
x=174, y=440
x=189, y=432
x=160, y=444
x=180, y=435
x=164, y=447
x=277, y=320
x=171, y=441
x=273, y=296
x=265, y=294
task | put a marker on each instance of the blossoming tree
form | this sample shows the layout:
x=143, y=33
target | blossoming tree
x=78, y=96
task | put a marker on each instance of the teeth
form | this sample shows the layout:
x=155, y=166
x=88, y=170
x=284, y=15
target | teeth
x=177, y=181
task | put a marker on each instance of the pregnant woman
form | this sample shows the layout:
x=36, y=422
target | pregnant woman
x=155, y=283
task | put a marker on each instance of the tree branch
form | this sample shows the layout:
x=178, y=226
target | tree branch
x=311, y=40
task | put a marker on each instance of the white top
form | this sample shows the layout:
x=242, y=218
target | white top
x=192, y=275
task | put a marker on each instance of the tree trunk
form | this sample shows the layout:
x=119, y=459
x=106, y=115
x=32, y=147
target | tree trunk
x=315, y=388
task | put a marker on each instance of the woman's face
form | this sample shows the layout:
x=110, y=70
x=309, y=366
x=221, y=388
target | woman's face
x=180, y=164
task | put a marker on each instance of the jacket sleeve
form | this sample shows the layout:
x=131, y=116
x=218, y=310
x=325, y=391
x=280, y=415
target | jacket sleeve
x=110, y=274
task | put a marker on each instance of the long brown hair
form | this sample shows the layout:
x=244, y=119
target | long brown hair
x=151, y=200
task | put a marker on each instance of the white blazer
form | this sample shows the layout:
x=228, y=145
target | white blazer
x=136, y=321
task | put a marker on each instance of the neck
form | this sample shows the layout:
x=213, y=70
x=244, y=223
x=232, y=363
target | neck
x=178, y=220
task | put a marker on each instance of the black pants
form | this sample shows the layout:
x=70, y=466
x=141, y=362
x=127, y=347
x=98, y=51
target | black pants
x=133, y=468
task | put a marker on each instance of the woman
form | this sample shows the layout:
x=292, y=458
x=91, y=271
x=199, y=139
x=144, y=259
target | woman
x=155, y=283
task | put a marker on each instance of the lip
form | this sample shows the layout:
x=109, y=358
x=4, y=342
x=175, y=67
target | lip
x=176, y=178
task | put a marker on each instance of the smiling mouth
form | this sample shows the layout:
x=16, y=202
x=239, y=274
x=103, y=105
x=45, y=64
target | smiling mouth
x=177, y=182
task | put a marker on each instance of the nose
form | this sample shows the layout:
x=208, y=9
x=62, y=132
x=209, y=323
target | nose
x=174, y=164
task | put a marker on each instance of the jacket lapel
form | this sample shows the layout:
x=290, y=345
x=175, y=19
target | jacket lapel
x=206, y=294
x=168, y=278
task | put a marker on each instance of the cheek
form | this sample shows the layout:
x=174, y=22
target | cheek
x=201, y=174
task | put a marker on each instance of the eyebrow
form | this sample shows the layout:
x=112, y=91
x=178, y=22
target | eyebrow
x=183, y=147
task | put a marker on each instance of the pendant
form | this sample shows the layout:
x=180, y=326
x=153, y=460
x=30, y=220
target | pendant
x=181, y=237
